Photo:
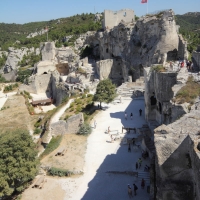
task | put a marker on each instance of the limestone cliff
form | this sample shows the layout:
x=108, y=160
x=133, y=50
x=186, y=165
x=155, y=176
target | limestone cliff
x=150, y=40
x=178, y=158
x=196, y=58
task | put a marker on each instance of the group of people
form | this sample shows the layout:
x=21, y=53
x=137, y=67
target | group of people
x=131, y=115
x=135, y=188
x=187, y=63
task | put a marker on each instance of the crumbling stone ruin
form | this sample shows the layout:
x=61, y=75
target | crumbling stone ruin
x=60, y=73
x=196, y=58
x=112, y=19
x=178, y=158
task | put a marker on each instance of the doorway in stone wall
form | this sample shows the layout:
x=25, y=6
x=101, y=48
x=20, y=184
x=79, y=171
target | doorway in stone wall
x=172, y=55
x=141, y=70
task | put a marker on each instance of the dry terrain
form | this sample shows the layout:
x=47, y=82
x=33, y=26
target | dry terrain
x=73, y=159
x=50, y=191
x=15, y=115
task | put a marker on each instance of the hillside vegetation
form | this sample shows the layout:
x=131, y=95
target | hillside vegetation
x=190, y=28
x=58, y=29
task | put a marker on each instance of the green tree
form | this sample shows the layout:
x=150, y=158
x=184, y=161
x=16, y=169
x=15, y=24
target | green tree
x=22, y=75
x=18, y=163
x=106, y=92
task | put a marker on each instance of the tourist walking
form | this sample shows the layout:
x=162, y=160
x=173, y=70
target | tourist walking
x=129, y=148
x=135, y=189
x=140, y=162
x=136, y=165
x=131, y=116
x=140, y=111
x=95, y=124
x=125, y=115
x=142, y=183
x=108, y=129
x=130, y=192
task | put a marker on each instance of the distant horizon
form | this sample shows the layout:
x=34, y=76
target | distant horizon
x=23, y=12
x=80, y=14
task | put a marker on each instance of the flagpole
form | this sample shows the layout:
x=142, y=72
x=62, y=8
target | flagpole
x=147, y=6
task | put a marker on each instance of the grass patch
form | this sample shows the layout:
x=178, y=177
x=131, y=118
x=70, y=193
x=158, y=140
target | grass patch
x=37, y=131
x=53, y=171
x=189, y=92
x=158, y=68
x=10, y=87
x=83, y=104
x=27, y=96
x=53, y=144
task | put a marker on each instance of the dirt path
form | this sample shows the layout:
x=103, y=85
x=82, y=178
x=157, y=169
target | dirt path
x=57, y=116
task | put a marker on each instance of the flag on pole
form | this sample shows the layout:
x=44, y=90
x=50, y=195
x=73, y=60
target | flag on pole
x=144, y=1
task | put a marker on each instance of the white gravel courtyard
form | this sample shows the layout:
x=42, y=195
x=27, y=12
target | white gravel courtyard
x=103, y=156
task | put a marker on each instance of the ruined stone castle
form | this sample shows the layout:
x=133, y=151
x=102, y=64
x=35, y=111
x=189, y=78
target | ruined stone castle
x=126, y=50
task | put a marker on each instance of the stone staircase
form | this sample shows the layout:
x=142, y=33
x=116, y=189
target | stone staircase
x=145, y=176
x=131, y=89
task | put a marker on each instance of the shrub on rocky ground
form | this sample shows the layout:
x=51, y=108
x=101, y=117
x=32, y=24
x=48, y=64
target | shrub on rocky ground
x=85, y=129
x=59, y=172
x=189, y=92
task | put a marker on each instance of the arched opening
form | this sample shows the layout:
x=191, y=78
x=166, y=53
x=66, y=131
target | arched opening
x=141, y=68
x=153, y=100
x=45, y=73
x=172, y=55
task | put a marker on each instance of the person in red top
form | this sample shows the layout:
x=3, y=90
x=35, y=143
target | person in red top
x=182, y=64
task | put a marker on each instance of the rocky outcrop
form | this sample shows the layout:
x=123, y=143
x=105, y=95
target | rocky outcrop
x=48, y=51
x=58, y=88
x=71, y=126
x=3, y=53
x=160, y=89
x=110, y=68
x=15, y=56
x=153, y=39
x=178, y=158
x=196, y=58
x=41, y=32
x=88, y=39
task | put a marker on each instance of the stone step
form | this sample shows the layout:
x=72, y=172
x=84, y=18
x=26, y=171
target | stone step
x=145, y=176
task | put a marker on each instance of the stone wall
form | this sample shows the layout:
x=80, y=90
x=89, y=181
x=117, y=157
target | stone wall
x=58, y=89
x=14, y=57
x=196, y=58
x=182, y=48
x=158, y=94
x=38, y=84
x=112, y=19
x=45, y=67
x=48, y=51
x=72, y=125
x=178, y=158
x=104, y=68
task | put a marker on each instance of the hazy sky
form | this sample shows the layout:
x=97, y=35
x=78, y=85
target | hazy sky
x=23, y=11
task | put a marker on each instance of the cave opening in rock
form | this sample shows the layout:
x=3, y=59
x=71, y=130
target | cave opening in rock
x=160, y=107
x=172, y=55
x=45, y=73
x=153, y=100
